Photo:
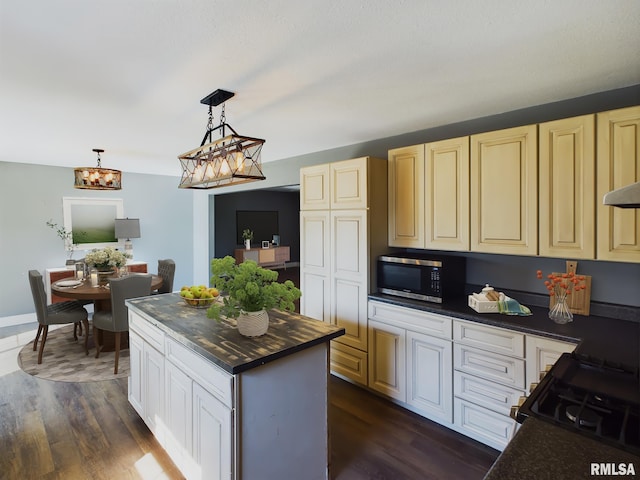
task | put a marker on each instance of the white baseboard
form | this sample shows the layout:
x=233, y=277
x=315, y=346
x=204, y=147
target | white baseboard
x=18, y=319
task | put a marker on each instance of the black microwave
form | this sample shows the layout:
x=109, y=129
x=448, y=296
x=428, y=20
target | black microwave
x=422, y=277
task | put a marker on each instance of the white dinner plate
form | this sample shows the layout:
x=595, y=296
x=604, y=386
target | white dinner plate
x=68, y=283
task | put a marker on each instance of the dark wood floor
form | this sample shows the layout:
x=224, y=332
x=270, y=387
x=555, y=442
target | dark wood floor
x=58, y=430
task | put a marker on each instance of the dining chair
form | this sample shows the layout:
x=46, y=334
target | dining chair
x=55, y=314
x=117, y=320
x=166, y=270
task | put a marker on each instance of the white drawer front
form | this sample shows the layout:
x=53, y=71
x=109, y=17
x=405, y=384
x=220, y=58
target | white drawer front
x=349, y=362
x=484, y=425
x=411, y=319
x=491, y=366
x=216, y=381
x=149, y=333
x=494, y=339
x=498, y=398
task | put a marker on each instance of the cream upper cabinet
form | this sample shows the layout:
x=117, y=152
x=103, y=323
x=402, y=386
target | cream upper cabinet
x=446, y=182
x=314, y=187
x=406, y=197
x=348, y=184
x=504, y=196
x=618, y=166
x=567, y=220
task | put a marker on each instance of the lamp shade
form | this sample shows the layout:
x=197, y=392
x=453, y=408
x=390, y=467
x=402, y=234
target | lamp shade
x=127, y=228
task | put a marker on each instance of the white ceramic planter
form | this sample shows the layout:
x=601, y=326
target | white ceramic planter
x=253, y=324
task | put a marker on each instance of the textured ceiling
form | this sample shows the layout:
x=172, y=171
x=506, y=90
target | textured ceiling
x=128, y=76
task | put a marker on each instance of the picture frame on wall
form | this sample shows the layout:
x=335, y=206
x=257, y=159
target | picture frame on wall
x=91, y=222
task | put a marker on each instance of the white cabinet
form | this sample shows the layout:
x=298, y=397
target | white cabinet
x=178, y=416
x=212, y=421
x=489, y=364
x=542, y=352
x=462, y=374
x=265, y=422
x=429, y=388
x=410, y=359
x=387, y=360
x=340, y=240
x=314, y=187
x=349, y=276
x=189, y=420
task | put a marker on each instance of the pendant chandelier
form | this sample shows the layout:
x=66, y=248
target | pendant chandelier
x=230, y=160
x=97, y=178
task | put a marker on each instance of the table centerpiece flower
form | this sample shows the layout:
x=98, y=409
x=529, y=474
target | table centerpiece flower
x=106, y=259
x=248, y=290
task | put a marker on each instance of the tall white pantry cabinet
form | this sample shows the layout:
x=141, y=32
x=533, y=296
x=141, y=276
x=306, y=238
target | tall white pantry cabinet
x=343, y=230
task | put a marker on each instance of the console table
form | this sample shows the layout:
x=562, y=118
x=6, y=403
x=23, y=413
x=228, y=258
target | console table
x=265, y=257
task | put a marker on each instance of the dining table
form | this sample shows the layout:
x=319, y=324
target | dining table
x=100, y=295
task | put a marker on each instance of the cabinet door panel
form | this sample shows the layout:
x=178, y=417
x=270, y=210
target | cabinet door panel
x=504, y=200
x=349, y=245
x=406, y=197
x=567, y=188
x=178, y=404
x=542, y=352
x=387, y=360
x=315, y=300
x=135, y=378
x=212, y=439
x=314, y=187
x=153, y=386
x=315, y=242
x=618, y=166
x=349, y=310
x=447, y=194
x=429, y=370
x=349, y=184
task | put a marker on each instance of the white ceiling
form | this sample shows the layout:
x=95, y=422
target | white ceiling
x=128, y=76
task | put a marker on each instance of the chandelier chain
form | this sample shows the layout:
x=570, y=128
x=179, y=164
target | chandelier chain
x=210, y=123
x=99, y=164
x=223, y=118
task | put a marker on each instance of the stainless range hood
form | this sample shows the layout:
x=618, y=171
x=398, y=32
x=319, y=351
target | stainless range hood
x=624, y=197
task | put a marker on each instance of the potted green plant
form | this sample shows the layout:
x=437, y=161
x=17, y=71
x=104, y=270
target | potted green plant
x=248, y=291
x=247, y=236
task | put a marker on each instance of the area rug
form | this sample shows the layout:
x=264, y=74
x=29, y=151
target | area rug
x=64, y=359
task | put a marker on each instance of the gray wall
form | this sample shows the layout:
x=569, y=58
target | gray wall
x=32, y=194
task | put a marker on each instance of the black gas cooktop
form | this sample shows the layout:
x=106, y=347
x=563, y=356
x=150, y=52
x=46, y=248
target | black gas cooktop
x=591, y=397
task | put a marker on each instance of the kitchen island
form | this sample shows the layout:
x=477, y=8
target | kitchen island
x=228, y=406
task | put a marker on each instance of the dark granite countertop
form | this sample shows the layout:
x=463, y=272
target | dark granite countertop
x=542, y=451
x=606, y=338
x=221, y=343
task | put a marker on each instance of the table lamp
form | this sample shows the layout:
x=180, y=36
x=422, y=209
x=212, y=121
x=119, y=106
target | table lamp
x=128, y=228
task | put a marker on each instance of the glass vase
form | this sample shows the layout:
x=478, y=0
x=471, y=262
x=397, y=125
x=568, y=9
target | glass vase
x=560, y=312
